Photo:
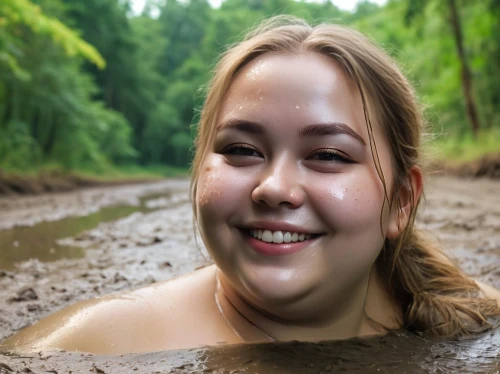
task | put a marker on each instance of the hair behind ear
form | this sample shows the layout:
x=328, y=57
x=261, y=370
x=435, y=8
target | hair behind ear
x=438, y=297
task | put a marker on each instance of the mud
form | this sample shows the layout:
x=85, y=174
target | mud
x=486, y=167
x=12, y=184
x=23, y=211
x=464, y=215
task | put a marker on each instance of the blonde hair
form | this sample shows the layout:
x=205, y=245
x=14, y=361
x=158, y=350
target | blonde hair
x=437, y=297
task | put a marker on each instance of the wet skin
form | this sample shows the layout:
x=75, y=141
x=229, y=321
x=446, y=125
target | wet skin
x=291, y=154
x=267, y=169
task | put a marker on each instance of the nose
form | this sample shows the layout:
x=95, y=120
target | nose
x=279, y=186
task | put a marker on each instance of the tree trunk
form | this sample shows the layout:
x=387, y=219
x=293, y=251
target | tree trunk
x=51, y=136
x=470, y=105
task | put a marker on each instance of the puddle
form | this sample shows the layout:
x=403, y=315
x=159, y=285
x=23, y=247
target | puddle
x=40, y=241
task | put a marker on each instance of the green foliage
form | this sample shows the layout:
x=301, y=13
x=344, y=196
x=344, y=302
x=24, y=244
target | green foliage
x=48, y=113
x=23, y=12
x=87, y=85
x=464, y=148
x=18, y=149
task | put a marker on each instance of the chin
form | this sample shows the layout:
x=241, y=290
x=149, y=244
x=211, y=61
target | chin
x=273, y=286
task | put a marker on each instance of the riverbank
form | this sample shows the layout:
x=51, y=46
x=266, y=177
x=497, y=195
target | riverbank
x=55, y=180
x=466, y=156
x=486, y=167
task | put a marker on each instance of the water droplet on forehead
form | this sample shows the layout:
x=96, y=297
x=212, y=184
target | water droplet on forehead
x=255, y=71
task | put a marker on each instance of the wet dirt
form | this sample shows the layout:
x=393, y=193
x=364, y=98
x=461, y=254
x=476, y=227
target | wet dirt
x=43, y=239
x=487, y=166
x=155, y=245
x=57, y=181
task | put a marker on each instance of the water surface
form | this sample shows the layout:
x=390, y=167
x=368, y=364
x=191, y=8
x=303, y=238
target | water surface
x=394, y=353
x=40, y=241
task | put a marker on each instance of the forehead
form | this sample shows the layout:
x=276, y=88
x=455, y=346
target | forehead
x=308, y=69
x=294, y=88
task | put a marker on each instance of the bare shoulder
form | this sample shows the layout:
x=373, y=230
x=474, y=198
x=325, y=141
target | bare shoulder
x=489, y=291
x=147, y=319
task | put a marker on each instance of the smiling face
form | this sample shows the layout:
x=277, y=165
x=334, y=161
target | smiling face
x=288, y=197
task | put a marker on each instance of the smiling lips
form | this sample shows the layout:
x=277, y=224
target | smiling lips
x=279, y=237
x=275, y=243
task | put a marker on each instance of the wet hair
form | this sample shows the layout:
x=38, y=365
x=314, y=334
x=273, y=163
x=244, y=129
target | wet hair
x=436, y=296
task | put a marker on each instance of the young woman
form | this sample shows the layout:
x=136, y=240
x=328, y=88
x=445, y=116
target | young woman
x=305, y=187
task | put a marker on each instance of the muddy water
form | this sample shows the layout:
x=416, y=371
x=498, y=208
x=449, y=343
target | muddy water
x=394, y=353
x=42, y=241
x=156, y=245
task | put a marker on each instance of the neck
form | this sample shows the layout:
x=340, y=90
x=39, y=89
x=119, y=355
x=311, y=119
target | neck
x=255, y=325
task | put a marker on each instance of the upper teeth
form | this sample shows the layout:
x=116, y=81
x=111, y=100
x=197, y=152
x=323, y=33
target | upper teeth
x=279, y=236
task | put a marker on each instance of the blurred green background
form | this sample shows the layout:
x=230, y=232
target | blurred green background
x=99, y=88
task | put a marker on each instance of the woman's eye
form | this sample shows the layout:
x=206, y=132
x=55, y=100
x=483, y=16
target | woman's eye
x=329, y=155
x=241, y=150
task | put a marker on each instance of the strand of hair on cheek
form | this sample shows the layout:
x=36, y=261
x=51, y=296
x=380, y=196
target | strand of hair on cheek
x=376, y=159
x=371, y=138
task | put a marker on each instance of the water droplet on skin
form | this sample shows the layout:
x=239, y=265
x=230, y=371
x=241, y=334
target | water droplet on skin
x=297, y=107
x=255, y=71
x=339, y=193
x=240, y=107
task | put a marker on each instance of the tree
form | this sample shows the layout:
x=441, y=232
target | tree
x=15, y=13
x=415, y=8
x=47, y=111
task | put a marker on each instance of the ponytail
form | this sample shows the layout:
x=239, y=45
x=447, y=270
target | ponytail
x=438, y=297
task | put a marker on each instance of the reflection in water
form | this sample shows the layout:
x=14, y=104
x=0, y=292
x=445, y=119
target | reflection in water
x=40, y=241
x=393, y=353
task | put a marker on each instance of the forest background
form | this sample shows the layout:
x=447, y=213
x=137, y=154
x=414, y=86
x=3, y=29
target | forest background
x=87, y=86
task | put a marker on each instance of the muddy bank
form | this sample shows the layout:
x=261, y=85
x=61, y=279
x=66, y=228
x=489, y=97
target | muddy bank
x=21, y=211
x=464, y=215
x=486, y=167
x=56, y=182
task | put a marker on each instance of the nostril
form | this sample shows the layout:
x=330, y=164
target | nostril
x=275, y=194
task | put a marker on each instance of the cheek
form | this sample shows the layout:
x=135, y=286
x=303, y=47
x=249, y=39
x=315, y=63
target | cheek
x=223, y=193
x=209, y=196
x=352, y=204
x=209, y=186
x=222, y=190
x=350, y=208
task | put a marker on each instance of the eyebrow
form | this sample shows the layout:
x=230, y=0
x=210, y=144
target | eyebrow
x=241, y=125
x=320, y=129
x=331, y=128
